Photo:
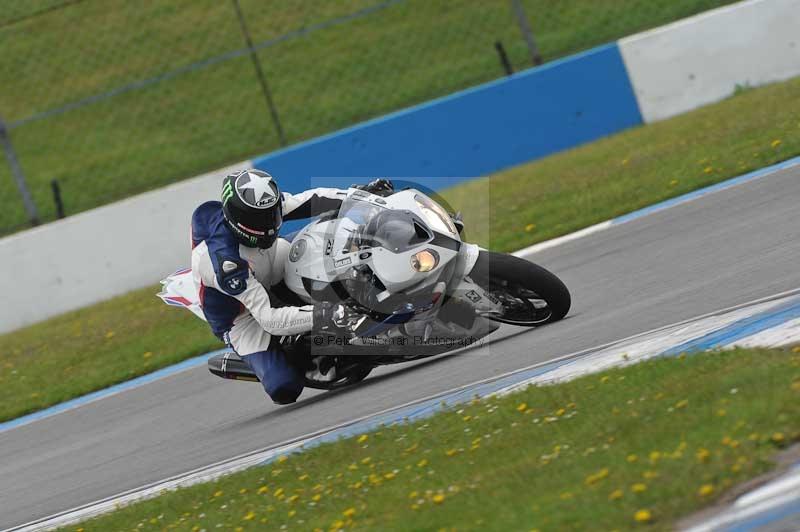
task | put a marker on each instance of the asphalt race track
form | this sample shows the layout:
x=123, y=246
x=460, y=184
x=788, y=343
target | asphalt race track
x=722, y=249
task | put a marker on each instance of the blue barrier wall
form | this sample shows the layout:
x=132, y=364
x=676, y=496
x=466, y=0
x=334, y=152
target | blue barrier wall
x=476, y=131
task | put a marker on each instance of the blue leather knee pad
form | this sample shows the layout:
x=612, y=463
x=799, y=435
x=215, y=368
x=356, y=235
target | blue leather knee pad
x=282, y=381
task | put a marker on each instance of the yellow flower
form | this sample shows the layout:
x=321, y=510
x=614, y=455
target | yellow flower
x=422, y=463
x=438, y=498
x=366, y=460
x=775, y=143
x=566, y=496
x=778, y=438
x=282, y=458
x=413, y=495
x=303, y=477
x=643, y=516
x=605, y=378
x=702, y=455
x=639, y=487
x=722, y=412
x=615, y=495
x=466, y=418
x=291, y=513
x=451, y=452
x=522, y=407
x=673, y=183
x=316, y=497
x=708, y=169
x=362, y=438
x=278, y=492
x=336, y=525
x=683, y=403
x=389, y=476
x=560, y=412
x=249, y=517
x=350, y=512
x=596, y=477
x=530, y=227
x=632, y=458
x=147, y=354
x=110, y=334
x=655, y=456
x=242, y=491
x=293, y=498
x=218, y=493
x=262, y=490
x=650, y=475
x=705, y=490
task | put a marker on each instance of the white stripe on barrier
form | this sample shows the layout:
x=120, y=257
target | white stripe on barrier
x=705, y=58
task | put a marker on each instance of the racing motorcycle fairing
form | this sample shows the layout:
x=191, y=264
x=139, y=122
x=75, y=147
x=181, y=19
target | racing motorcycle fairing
x=400, y=259
x=408, y=285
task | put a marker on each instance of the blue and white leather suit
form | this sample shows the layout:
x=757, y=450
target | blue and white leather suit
x=233, y=282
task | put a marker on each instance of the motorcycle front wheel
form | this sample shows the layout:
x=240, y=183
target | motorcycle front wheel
x=530, y=295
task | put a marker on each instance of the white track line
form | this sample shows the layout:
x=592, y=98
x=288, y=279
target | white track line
x=227, y=466
x=246, y=460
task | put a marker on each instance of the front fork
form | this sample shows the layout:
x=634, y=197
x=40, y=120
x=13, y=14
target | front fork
x=484, y=303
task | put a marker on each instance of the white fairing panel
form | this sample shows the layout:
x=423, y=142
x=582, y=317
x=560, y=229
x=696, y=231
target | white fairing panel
x=320, y=251
x=179, y=291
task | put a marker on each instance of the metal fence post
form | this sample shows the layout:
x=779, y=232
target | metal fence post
x=260, y=74
x=19, y=177
x=527, y=34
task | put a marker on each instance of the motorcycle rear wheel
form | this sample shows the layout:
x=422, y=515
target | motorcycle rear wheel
x=530, y=294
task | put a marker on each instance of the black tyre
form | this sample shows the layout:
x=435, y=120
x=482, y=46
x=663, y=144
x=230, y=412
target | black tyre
x=530, y=294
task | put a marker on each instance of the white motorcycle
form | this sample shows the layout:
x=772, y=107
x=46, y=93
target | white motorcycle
x=410, y=286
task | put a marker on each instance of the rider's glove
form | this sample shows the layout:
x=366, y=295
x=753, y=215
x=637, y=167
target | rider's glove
x=380, y=187
x=334, y=318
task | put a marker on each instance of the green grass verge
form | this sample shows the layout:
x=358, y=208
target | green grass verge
x=95, y=347
x=638, y=446
x=527, y=204
x=201, y=120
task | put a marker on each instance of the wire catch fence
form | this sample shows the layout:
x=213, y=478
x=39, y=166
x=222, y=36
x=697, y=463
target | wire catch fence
x=100, y=100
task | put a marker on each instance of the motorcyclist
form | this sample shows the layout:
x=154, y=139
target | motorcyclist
x=238, y=257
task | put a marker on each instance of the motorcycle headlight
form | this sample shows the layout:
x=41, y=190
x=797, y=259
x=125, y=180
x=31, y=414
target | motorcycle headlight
x=424, y=261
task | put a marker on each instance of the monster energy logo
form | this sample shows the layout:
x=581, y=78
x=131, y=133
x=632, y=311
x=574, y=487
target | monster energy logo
x=227, y=192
